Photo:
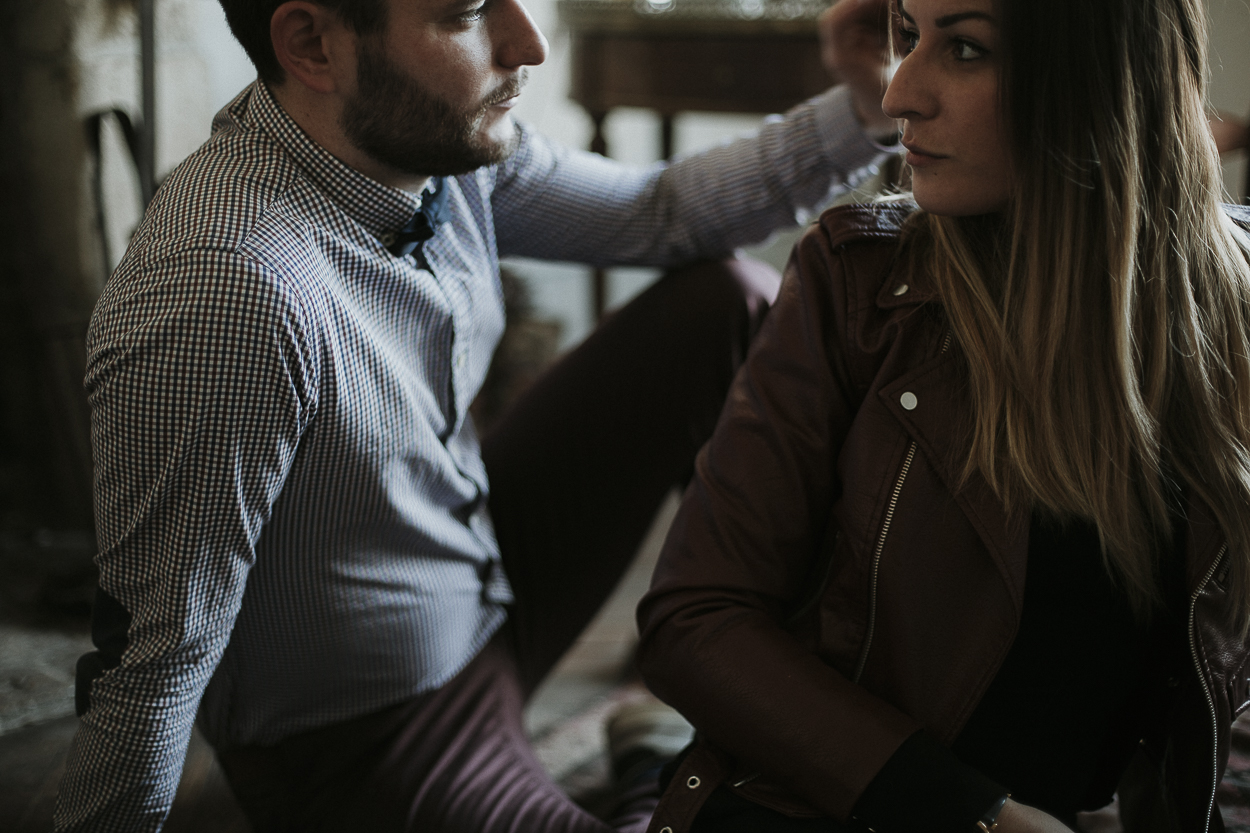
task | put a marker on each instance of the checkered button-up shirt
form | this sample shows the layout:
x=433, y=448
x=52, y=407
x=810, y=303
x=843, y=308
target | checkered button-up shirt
x=290, y=499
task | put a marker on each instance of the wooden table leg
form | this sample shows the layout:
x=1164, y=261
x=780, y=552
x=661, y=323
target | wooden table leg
x=599, y=144
x=598, y=277
x=599, y=141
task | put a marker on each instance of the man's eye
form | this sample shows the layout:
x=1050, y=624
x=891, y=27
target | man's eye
x=473, y=15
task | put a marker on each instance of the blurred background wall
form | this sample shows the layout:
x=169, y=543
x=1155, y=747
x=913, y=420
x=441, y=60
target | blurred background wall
x=1230, y=76
x=62, y=60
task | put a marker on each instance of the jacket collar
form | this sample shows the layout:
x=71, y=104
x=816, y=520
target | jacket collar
x=941, y=425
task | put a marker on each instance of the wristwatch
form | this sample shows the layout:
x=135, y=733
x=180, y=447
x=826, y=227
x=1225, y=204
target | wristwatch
x=988, y=822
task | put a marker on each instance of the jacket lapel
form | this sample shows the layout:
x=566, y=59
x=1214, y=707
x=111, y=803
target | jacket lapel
x=932, y=404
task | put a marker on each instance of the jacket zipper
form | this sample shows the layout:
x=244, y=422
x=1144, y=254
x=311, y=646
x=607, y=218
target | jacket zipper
x=876, y=561
x=1206, y=689
x=876, y=553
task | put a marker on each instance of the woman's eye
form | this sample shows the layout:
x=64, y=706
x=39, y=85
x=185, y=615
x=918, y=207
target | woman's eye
x=907, y=39
x=966, y=51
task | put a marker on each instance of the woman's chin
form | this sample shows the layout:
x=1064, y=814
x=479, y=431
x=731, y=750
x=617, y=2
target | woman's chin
x=959, y=202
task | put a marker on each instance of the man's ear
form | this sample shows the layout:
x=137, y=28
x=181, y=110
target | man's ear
x=312, y=44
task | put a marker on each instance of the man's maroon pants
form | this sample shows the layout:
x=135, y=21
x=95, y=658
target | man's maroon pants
x=578, y=468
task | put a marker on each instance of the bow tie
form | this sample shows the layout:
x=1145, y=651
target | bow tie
x=422, y=225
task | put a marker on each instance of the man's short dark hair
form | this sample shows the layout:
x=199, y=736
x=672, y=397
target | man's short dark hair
x=249, y=21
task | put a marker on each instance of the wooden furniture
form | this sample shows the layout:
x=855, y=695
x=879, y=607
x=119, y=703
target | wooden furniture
x=672, y=56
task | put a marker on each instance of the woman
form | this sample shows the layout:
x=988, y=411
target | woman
x=1231, y=133
x=975, y=521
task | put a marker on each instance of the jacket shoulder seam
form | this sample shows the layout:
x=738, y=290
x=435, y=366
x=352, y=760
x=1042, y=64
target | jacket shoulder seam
x=852, y=223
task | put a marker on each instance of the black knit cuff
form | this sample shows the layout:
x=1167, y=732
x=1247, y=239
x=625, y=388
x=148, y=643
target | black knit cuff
x=925, y=787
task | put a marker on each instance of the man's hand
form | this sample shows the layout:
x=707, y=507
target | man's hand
x=1020, y=818
x=854, y=46
x=1231, y=133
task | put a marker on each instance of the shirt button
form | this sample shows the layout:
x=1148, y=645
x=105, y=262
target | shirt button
x=901, y=289
x=909, y=401
x=386, y=239
x=460, y=361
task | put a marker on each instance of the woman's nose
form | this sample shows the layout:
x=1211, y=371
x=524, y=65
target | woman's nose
x=907, y=96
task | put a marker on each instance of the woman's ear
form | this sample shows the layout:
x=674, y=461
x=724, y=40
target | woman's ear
x=312, y=43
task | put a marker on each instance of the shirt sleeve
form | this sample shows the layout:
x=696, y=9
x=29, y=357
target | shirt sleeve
x=201, y=382
x=555, y=203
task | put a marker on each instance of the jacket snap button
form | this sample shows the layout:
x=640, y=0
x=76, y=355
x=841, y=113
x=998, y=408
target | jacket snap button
x=693, y=782
x=909, y=401
x=901, y=289
x=666, y=830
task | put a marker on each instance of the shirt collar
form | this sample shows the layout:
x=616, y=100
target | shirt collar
x=377, y=207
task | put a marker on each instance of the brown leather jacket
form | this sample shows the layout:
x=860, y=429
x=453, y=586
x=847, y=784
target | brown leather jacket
x=825, y=590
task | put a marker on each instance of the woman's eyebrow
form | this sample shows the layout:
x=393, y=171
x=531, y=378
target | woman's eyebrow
x=959, y=17
x=950, y=19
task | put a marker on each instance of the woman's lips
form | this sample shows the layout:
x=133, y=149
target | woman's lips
x=918, y=157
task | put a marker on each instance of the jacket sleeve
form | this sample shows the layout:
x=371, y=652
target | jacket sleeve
x=740, y=553
x=559, y=204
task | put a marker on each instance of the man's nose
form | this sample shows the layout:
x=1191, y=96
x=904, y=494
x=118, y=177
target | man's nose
x=518, y=42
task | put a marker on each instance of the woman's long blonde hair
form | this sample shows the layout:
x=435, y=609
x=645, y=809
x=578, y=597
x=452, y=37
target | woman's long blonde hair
x=1106, y=318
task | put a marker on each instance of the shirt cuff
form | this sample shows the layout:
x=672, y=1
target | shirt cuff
x=842, y=135
x=925, y=787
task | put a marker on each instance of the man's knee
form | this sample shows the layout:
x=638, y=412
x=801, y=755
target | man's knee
x=734, y=280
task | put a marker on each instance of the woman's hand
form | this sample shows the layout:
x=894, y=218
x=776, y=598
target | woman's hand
x=1020, y=818
x=854, y=47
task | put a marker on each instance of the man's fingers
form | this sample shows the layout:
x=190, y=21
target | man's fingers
x=854, y=41
x=870, y=12
x=853, y=35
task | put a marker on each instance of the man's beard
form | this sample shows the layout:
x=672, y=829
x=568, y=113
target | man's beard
x=397, y=123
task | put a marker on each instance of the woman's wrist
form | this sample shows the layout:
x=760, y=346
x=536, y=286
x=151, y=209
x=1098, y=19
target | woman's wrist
x=988, y=823
x=924, y=786
x=1020, y=818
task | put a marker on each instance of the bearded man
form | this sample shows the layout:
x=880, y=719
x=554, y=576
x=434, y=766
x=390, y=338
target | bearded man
x=301, y=543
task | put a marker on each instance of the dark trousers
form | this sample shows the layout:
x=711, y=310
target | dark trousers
x=578, y=468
